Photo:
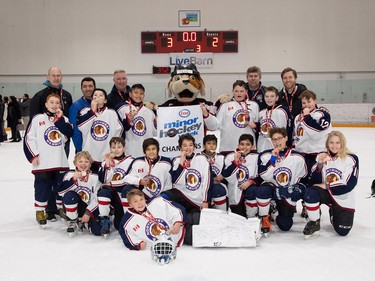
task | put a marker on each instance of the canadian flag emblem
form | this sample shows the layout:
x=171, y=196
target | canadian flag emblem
x=141, y=170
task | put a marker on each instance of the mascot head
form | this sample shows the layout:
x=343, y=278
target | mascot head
x=186, y=83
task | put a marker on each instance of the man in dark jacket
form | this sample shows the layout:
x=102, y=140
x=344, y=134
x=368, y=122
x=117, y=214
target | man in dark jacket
x=120, y=90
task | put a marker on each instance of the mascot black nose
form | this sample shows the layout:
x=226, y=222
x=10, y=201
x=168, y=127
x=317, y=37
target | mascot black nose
x=185, y=82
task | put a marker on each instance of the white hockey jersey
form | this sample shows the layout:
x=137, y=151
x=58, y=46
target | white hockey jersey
x=311, y=131
x=160, y=215
x=46, y=137
x=340, y=176
x=237, y=175
x=142, y=127
x=231, y=120
x=86, y=187
x=277, y=117
x=158, y=172
x=115, y=174
x=193, y=181
x=97, y=130
x=289, y=168
x=217, y=165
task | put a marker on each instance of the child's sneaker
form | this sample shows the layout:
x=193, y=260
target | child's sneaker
x=41, y=218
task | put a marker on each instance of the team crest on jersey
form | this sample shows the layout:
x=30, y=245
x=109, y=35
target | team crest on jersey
x=85, y=193
x=154, y=187
x=99, y=130
x=240, y=119
x=153, y=229
x=332, y=175
x=215, y=170
x=139, y=127
x=52, y=136
x=193, y=179
x=266, y=126
x=118, y=174
x=283, y=176
x=242, y=174
x=300, y=131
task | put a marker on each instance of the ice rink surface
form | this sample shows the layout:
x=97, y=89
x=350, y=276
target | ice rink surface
x=28, y=252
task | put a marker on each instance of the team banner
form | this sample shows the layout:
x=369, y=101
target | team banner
x=176, y=121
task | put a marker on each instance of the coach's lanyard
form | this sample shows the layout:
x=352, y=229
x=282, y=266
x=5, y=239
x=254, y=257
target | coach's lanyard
x=289, y=102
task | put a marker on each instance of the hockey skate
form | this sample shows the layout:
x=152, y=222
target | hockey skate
x=273, y=211
x=72, y=228
x=312, y=229
x=50, y=216
x=106, y=225
x=61, y=213
x=266, y=226
x=41, y=218
x=304, y=211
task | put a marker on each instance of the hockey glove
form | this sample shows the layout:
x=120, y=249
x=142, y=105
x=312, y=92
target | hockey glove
x=294, y=192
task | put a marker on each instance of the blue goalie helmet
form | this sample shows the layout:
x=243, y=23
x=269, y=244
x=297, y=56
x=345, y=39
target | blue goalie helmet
x=163, y=250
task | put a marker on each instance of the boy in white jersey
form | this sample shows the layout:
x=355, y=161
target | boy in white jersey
x=150, y=173
x=98, y=125
x=44, y=149
x=112, y=174
x=234, y=118
x=283, y=172
x=144, y=221
x=241, y=172
x=139, y=121
x=273, y=116
x=78, y=189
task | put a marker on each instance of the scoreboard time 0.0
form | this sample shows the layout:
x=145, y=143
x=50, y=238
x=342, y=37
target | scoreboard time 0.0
x=157, y=42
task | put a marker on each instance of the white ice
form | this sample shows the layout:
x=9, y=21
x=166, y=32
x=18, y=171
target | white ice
x=30, y=253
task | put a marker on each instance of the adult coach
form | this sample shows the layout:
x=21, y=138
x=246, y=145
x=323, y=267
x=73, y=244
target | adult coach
x=120, y=90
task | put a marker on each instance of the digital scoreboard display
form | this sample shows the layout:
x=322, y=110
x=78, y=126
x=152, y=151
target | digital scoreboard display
x=158, y=42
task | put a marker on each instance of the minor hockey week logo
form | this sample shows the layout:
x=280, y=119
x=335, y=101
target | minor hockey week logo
x=155, y=229
x=240, y=119
x=193, y=179
x=139, y=127
x=52, y=136
x=282, y=176
x=99, y=130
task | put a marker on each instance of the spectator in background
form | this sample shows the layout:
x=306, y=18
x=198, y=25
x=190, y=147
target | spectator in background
x=120, y=90
x=14, y=118
x=87, y=87
x=5, y=115
x=25, y=109
x=1, y=119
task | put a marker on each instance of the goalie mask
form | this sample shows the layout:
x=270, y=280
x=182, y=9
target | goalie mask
x=163, y=250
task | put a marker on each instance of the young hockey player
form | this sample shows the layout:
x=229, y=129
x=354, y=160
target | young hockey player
x=234, y=118
x=219, y=188
x=144, y=221
x=78, y=189
x=334, y=178
x=44, y=148
x=273, y=116
x=191, y=177
x=311, y=128
x=138, y=121
x=241, y=172
x=98, y=125
x=283, y=172
x=149, y=173
x=112, y=175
